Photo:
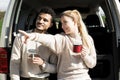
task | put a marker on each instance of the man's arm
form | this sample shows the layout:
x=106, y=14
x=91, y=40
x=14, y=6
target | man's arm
x=15, y=60
x=50, y=66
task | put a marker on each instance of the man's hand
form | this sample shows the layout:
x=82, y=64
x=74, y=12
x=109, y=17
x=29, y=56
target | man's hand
x=38, y=61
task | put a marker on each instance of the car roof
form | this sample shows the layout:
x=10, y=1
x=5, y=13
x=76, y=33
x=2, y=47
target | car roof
x=59, y=5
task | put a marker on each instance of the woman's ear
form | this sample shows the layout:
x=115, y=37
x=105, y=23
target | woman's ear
x=75, y=23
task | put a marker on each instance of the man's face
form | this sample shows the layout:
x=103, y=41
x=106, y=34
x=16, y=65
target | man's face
x=44, y=21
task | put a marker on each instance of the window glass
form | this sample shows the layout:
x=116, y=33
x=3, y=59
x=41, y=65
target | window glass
x=3, y=8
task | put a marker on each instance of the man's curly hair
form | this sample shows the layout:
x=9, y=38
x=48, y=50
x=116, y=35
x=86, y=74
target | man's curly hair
x=47, y=10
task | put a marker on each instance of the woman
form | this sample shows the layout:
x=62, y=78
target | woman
x=70, y=65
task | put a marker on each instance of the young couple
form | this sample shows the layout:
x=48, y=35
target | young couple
x=53, y=53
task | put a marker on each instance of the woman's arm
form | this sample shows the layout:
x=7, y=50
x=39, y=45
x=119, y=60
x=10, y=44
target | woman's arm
x=54, y=42
x=89, y=55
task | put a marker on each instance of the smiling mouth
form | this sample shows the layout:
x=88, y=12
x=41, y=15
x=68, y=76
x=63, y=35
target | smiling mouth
x=40, y=25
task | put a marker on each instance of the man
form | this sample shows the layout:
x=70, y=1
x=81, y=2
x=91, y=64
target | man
x=32, y=61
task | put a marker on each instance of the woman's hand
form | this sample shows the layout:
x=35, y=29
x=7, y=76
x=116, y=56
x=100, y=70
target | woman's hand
x=26, y=36
x=85, y=51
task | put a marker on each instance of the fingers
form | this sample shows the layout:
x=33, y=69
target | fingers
x=25, y=37
x=38, y=61
x=24, y=33
x=85, y=51
x=30, y=36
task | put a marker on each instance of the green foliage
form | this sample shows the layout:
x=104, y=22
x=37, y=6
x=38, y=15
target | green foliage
x=1, y=20
x=2, y=15
x=103, y=17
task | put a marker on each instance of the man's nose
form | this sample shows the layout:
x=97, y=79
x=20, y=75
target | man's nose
x=41, y=21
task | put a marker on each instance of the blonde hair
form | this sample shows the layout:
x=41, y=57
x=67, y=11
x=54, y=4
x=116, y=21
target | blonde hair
x=76, y=16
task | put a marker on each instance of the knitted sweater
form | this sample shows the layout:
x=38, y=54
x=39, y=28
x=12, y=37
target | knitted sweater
x=70, y=65
x=20, y=65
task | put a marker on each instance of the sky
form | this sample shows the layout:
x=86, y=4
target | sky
x=4, y=5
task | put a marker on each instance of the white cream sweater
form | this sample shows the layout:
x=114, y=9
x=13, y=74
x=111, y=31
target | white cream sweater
x=70, y=66
x=20, y=65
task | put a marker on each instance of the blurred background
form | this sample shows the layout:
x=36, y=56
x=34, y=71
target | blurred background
x=3, y=8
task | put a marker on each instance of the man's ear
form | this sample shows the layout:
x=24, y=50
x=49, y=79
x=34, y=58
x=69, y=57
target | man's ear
x=51, y=24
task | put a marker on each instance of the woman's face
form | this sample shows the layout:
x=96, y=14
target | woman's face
x=68, y=25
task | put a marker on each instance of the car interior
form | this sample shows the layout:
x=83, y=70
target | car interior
x=93, y=17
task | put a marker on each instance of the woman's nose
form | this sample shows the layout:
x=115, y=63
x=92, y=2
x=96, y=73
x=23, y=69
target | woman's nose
x=63, y=26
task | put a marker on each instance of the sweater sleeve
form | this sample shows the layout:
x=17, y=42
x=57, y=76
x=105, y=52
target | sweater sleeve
x=15, y=60
x=90, y=58
x=54, y=42
x=51, y=66
x=46, y=67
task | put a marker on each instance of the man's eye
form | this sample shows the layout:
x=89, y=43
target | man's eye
x=45, y=20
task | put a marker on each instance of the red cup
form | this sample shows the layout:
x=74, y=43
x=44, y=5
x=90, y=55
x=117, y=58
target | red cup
x=77, y=48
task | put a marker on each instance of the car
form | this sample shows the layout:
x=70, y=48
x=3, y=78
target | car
x=102, y=18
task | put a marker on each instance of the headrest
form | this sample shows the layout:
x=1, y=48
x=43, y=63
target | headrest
x=92, y=20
